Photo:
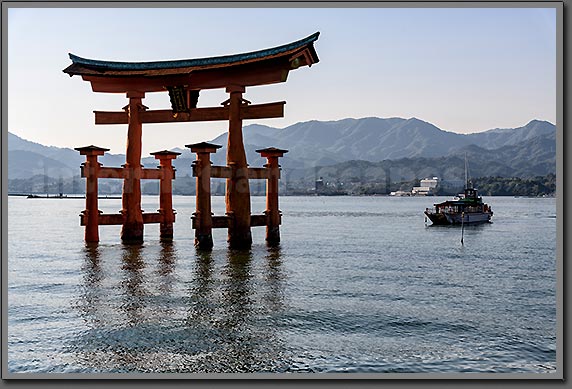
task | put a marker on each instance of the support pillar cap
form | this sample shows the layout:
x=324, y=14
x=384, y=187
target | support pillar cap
x=203, y=147
x=91, y=150
x=271, y=152
x=165, y=154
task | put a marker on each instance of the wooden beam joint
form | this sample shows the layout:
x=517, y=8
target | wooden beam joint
x=254, y=173
x=225, y=221
x=118, y=218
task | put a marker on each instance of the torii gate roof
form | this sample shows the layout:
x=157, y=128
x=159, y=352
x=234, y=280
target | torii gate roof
x=247, y=69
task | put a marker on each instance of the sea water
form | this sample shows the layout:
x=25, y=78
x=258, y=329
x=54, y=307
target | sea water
x=358, y=284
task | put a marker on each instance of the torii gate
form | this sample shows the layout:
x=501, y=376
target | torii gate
x=183, y=80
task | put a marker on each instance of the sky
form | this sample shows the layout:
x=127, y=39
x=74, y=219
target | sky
x=462, y=69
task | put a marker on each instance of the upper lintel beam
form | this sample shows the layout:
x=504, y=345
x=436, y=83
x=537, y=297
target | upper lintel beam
x=208, y=79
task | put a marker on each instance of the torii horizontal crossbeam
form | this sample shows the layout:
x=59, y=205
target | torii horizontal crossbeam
x=258, y=111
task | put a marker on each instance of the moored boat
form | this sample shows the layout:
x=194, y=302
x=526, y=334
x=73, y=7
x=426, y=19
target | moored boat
x=468, y=209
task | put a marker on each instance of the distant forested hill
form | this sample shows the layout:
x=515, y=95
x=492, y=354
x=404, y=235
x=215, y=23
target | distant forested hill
x=350, y=149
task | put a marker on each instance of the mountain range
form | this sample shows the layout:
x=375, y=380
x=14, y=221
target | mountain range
x=412, y=144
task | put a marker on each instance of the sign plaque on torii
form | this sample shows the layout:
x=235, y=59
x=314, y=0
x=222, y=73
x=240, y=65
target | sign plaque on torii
x=183, y=80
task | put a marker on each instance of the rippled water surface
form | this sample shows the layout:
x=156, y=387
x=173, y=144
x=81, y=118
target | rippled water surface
x=359, y=284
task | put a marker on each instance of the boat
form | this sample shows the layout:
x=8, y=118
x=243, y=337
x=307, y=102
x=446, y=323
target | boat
x=466, y=208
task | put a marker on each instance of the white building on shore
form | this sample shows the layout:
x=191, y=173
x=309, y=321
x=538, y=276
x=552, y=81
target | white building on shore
x=427, y=187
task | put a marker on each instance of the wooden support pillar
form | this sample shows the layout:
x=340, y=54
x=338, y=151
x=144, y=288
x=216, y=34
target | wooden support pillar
x=203, y=215
x=91, y=172
x=237, y=186
x=132, y=230
x=165, y=158
x=272, y=211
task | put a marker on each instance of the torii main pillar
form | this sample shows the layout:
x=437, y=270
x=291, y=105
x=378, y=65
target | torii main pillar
x=237, y=186
x=132, y=230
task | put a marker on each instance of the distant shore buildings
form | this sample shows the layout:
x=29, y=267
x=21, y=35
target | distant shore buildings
x=427, y=187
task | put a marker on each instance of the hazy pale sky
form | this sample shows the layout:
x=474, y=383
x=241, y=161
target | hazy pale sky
x=461, y=69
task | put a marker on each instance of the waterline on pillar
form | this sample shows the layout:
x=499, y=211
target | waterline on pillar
x=166, y=232
x=132, y=233
x=272, y=235
x=204, y=241
x=242, y=240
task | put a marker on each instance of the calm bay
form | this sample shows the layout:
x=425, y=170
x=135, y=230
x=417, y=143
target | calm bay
x=358, y=284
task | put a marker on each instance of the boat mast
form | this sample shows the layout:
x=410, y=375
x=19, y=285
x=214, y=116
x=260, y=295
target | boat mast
x=466, y=179
x=467, y=186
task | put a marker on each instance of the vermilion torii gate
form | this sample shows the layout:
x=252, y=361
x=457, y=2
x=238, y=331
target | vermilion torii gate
x=183, y=80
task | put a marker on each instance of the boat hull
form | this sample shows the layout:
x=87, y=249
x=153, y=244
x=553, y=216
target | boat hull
x=468, y=218
x=437, y=218
x=450, y=218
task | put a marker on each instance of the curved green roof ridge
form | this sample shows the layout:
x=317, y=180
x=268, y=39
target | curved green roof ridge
x=226, y=59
